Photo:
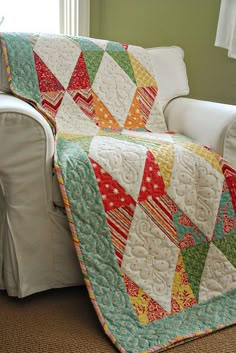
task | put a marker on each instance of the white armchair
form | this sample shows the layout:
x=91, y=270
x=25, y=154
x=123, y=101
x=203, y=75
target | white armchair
x=211, y=124
x=36, y=250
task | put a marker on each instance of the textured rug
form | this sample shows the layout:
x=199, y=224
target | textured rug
x=152, y=213
x=63, y=321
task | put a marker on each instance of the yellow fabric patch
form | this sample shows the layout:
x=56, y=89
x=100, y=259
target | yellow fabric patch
x=142, y=76
x=164, y=155
x=209, y=156
x=182, y=294
x=103, y=116
x=140, y=304
x=135, y=119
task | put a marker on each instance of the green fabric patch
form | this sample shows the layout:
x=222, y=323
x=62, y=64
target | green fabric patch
x=183, y=229
x=85, y=142
x=24, y=82
x=115, y=46
x=225, y=224
x=123, y=60
x=86, y=44
x=93, y=60
x=194, y=258
x=227, y=246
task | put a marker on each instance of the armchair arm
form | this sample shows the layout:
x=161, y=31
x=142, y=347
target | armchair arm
x=26, y=150
x=25, y=137
x=10, y=104
x=211, y=124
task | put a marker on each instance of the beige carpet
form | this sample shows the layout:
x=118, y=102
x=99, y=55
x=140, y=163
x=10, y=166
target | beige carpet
x=63, y=321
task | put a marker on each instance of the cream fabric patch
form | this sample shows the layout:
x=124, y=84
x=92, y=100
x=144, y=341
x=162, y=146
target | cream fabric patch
x=196, y=188
x=72, y=120
x=59, y=54
x=150, y=259
x=123, y=160
x=218, y=277
x=114, y=88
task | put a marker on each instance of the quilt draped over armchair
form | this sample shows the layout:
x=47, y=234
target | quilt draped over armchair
x=152, y=213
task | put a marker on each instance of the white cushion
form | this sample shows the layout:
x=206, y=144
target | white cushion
x=170, y=71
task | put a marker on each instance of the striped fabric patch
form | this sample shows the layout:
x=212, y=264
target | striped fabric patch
x=84, y=99
x=119, y=221
x=52, y=100
x=158, y=211
x=147, y=96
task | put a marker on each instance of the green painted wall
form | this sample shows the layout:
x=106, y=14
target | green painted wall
x=190, y=24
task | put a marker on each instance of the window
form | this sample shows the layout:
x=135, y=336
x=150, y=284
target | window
x=52, y=16
x=30, y=16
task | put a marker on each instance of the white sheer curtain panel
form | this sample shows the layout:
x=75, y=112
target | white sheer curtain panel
x=226, y=29
x=75, y=17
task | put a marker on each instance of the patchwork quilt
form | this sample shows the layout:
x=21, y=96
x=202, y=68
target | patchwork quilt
x=152, y=213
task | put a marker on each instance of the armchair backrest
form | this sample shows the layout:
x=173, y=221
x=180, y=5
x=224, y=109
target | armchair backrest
x=169, y=66
x=171, y=74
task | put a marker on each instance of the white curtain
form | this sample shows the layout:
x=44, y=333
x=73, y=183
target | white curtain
x=74, y=17
x=226, y=29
